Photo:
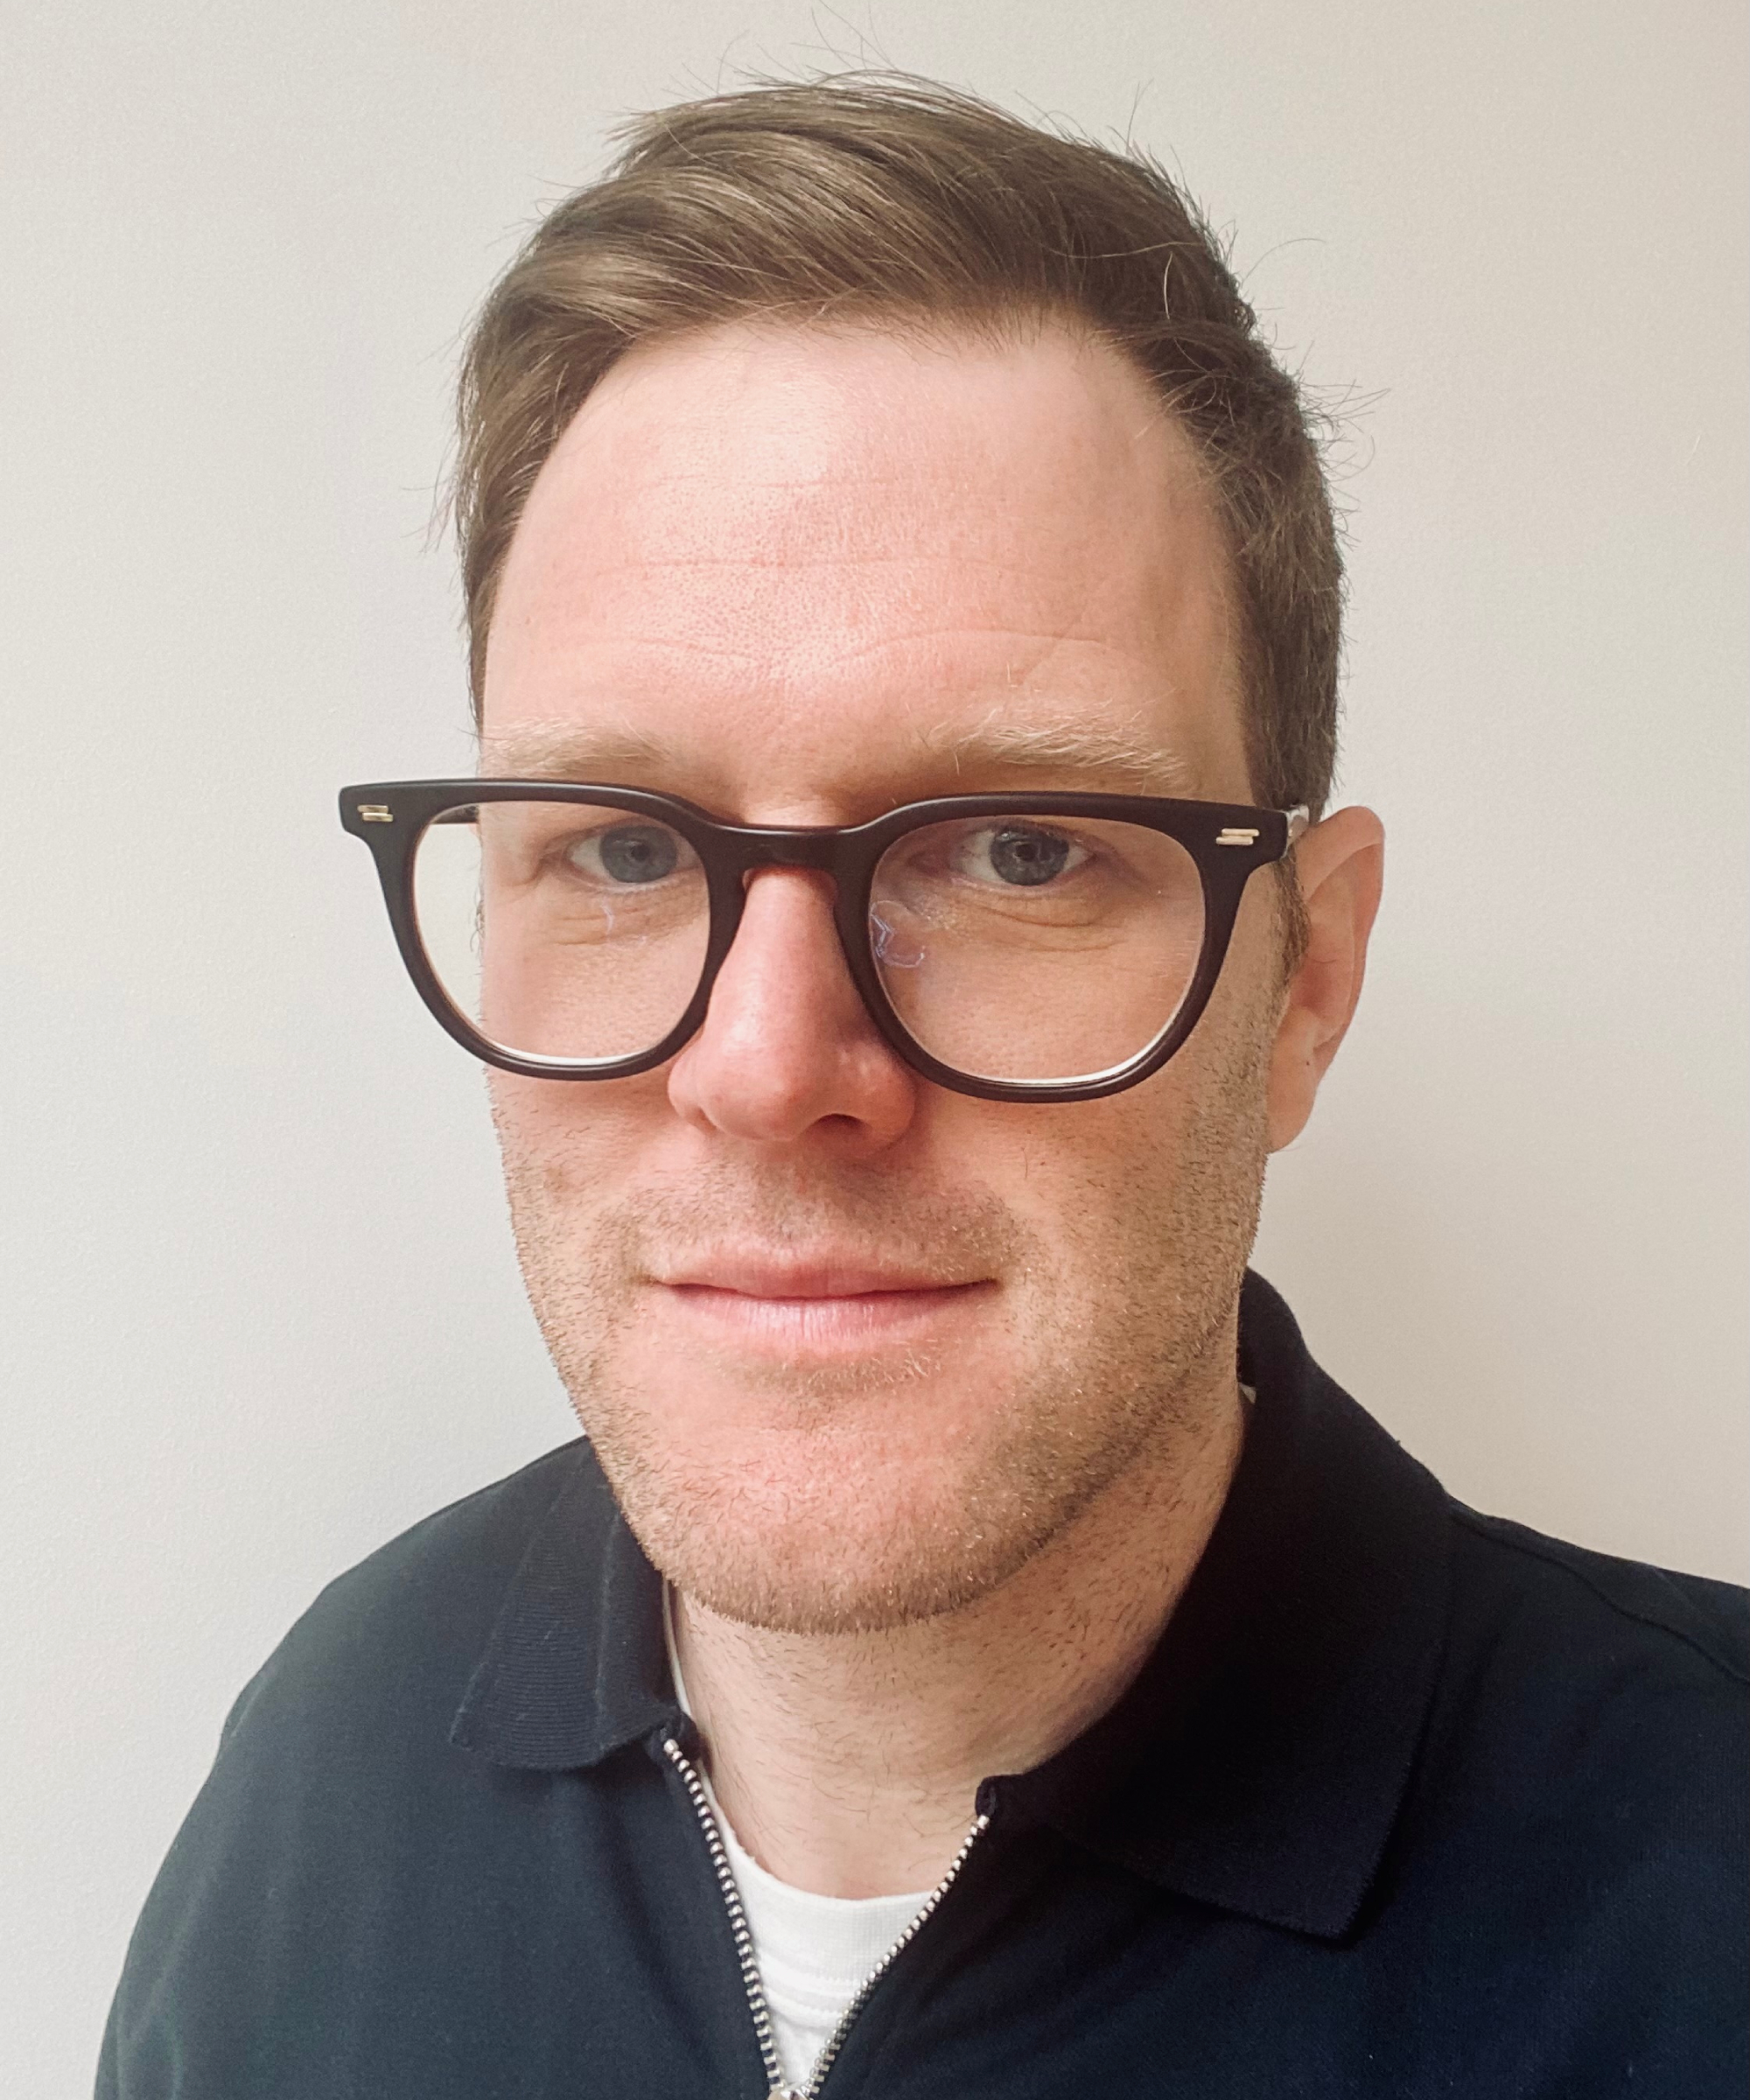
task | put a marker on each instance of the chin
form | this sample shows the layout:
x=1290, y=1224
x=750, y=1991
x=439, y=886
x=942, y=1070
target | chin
x=842, y=1528
x=792, y=1579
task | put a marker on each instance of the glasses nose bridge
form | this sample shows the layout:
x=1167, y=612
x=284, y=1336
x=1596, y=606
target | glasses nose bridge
x=817, y=849
x=750, y=850
x=770, y=846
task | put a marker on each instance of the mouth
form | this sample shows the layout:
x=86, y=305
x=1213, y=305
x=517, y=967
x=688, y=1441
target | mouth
x=823, y=1306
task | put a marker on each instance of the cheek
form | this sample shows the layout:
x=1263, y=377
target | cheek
x=573, y=1142
x=1079, y=1170
x=1075, y=1178
x=1114, y=1185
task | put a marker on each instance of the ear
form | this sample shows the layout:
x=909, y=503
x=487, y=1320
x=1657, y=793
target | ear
x=1340, y=864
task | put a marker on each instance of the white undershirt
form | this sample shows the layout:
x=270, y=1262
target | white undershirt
x=814, y=1953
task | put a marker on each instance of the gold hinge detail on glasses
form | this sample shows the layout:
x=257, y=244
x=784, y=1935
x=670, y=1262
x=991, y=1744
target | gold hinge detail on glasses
x=1237, y=835
x=376, y=812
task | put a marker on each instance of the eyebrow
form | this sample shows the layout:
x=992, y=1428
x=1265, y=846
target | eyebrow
x=560, y=751
x=563, y=751
x=1142, y=764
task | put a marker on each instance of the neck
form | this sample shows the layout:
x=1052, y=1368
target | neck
x=848, y=1763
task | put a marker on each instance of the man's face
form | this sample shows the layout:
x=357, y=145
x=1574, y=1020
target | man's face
x=852, y=1347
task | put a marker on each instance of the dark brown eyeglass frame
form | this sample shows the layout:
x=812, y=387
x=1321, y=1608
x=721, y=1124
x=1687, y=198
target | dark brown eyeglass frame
x=1229, y=841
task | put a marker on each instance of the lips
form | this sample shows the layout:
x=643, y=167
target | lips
x=831, y=1306
x=827, y=1276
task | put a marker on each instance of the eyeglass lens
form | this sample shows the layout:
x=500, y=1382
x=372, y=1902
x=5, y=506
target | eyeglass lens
x=1018, y=948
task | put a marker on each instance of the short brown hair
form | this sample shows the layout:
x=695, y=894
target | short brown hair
x=883, y=197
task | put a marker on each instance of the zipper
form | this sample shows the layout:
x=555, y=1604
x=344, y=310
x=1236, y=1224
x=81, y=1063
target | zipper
x=835, y=2041
x=778, y=2087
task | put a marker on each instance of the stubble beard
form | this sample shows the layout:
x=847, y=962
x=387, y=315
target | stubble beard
x=1118, y=1330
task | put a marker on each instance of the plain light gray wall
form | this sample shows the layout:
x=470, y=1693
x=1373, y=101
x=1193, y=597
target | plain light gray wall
x=261, y=1308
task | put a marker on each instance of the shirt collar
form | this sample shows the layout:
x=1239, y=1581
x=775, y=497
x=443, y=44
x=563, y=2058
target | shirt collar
x=1259, y=1760
x=574, y=1668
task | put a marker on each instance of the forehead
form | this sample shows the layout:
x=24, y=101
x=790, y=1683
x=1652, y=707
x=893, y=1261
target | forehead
x=799, y=573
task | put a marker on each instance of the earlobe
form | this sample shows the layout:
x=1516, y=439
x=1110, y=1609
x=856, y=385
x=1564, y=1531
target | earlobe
x=1339, y=863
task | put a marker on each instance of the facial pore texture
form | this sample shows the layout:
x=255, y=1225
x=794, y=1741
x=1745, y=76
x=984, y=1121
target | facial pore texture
x=807, y=564
x=1112, y=1316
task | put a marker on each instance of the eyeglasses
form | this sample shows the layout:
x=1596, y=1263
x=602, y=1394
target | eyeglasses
x=1048, y=947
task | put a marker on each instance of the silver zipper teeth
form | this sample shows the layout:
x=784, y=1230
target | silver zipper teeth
x=744, y=1939
x=781, y=2089
x=835, y=2041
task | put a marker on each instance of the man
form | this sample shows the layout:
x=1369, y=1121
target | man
x=975, y=1649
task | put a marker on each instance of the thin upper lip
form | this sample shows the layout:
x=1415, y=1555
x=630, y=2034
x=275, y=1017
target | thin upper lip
x=816, y=1276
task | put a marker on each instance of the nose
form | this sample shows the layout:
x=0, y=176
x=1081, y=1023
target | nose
x=787, y=1045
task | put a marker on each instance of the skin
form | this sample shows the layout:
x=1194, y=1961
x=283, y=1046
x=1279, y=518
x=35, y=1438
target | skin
x=925, y=1405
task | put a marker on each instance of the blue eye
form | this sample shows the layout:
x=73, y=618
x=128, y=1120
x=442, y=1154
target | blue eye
x=1021, y=856
x=630, y=853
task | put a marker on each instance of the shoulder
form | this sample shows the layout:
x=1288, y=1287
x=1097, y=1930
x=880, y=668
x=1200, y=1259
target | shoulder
x=1590, y=1719
x=1683, y=1626
x=406, y=1625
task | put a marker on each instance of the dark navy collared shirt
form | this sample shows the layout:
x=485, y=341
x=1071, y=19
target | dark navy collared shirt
x=1408, y=1801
